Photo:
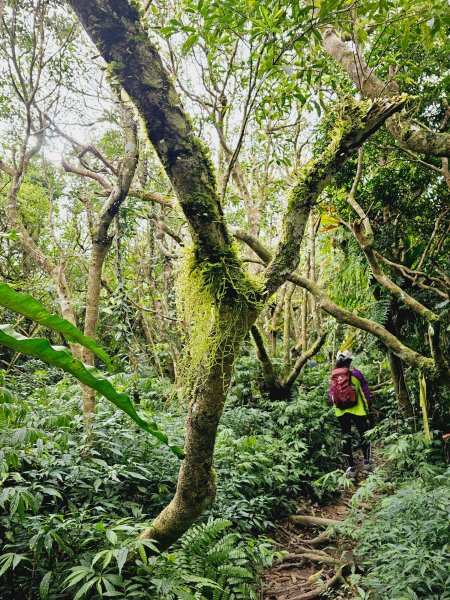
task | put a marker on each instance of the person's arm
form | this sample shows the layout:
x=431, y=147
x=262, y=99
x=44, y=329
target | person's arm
x=364, y=386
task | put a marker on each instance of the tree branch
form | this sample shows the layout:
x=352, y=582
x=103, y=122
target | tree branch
x=412, y=138
x=413, y=275
x=342, y=315
x=270, y=378
x=353, y=126
x=288, y=382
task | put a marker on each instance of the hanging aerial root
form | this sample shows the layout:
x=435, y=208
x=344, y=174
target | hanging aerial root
x=218, y=301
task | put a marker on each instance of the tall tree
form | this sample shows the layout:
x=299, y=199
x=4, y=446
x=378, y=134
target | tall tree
x=234, y=300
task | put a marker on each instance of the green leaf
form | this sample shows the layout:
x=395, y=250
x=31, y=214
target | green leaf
x=121, y=558
x=85, y=588
x=51, y=492
x=190, y=42
x=45, y=585
x=184, y=594
x=59, y=356
x=10, y=235
x=32, y=309
x=6, y=559
x=112, y=536
x=78, y=573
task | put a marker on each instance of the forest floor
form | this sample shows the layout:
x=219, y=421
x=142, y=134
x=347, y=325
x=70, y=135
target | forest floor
x=316, y=565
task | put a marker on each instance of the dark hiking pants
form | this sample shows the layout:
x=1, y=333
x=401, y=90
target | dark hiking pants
x=362, y=425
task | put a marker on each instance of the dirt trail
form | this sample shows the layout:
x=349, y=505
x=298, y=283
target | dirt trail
x=315, y=567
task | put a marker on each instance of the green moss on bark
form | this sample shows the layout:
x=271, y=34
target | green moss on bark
x=218, y=301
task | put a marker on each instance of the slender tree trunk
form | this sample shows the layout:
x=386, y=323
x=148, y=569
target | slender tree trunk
x=95, y=267
x=151, y=342
x=30, y=247
x=269, y=375
x=287, y=327
x=401, y=390
x=287, y=383
x=304, y=316
x=275, y=320
x=312, y=271
x=296, y=329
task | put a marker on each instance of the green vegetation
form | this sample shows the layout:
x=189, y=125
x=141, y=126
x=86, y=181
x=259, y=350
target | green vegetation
x=202, y=203
x=71, y=513
x=405, y=529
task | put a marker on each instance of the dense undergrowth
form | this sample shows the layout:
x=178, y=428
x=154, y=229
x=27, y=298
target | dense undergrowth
x=400, y=523
x=70, y=512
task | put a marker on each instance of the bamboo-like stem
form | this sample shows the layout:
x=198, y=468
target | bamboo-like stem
x=423, y=405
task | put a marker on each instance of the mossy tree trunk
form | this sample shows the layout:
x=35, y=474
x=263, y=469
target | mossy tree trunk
x=196, y=486
x=114, y=27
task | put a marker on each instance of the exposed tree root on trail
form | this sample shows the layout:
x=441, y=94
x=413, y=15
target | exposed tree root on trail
x=316, y=562
x=319, y=539
x=308, y=520
x=306, y=571
x=322, y=589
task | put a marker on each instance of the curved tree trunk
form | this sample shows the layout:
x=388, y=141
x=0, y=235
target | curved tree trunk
x=281, y=294
x=196, y=487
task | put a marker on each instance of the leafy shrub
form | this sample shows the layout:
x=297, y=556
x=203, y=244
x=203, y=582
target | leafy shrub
x=404, y=545
x=401, y=523
x=70, y=511
x=210, y=562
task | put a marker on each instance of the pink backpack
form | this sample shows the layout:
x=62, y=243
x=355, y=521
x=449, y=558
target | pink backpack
x=343, y=394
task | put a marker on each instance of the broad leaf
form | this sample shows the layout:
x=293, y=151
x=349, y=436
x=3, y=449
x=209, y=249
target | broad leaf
x=29, y=307
x=61, y=357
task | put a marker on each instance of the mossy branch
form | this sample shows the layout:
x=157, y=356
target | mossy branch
x=356, y=121
x=403, y=129
x=410, y=357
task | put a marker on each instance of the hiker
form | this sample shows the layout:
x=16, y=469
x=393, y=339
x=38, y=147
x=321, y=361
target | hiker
x=350, y=395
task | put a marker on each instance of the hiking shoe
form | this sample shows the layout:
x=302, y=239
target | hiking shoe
x=367, y=465
x=351, y=473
